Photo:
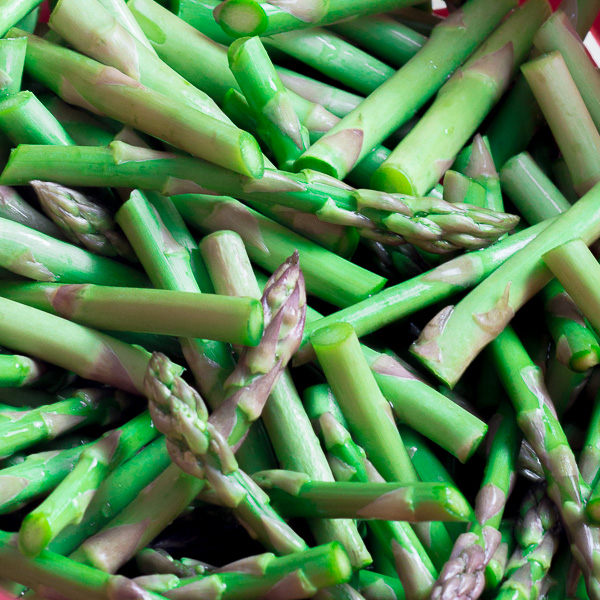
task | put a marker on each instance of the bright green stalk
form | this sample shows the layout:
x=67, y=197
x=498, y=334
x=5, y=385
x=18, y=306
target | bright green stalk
x=239, y=18
x=199, y=14
x=295, y=444
x=327, y=275
x=18, y=371
x=296, y=495
x=14, y=208
x=469, y=563
x=12, y=11
x=375, y=586
x=334, y=57
x=69, y=501
x=85, y=407
x=25, y=120
x=396, y=102
x=578, y=271
x=589, y=459
x=564, y=385
x=460, y=188
x=65, y=576
x=87, y=83
x=414, y=294
x=558, y=34
x=165, y=312
x=278, y=124
x=425, y=153
x=568, y=117
x=479, y=317
x=537, y=419
x=12, y=59
x=92, y=30
x=368, y=414
x=30, y=21
x=384, y=37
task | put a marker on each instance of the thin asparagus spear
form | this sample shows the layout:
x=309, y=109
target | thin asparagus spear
x=383, y=36
x=570, y=122
x=18, y=371
x=558, y=34
x=159, y=561
x=420, y=159
x=239, y=18
x=396, y=101
x=85, y=222
x=469, y=568
x=270, y=104
x=84, y=407
x=296, y=495
x=495, y=301
x=537, y=419
x=375, y=586
x=352, y=382
x=233, y=320
x=12, y=59
x=481, y=169
x=460, y=188
x=285, y=420
x=87, y=83
x=589, y=462
x=25, y=120
x=68, y=502
x=12, y=11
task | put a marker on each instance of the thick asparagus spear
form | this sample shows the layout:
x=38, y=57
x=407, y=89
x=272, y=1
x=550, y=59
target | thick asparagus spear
x=420, y=159
x=12, y=59
x=233, y=320
x=397, y=100
x=104, y=90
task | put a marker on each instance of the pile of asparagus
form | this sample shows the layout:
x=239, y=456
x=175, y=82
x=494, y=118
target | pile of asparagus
x=230, y=234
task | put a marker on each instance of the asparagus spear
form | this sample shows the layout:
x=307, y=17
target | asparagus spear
x=571, y=123
x=159, y=561
x=249, y=17
x=396, y=101
x=12, y=11
x=87, y=83
x=17, y=371
x=375, y=586
x=12, y=59
x=537, y=419
x=233, y=320
x=425, y=153
x=84, y=221
x=68, y=502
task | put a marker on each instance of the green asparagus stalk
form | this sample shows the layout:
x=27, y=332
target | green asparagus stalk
x=375, y=586
x=25, y=120
x=18, y=371
x=383, y=36
x=425, y=153
x=12, y=59
x=558, y=34
x=119, y=10
x=240, y=18
x=570, y=122
x=159, y=561
x=469, y=565
x=199, y=14
x=84, y=407
x=537, y=419
x=85, y=222
x=233, y=320
x=460, y=188
x=396, y=101
x=278, y=124
x=87, y=83
x=12, y=11
x=589, y=463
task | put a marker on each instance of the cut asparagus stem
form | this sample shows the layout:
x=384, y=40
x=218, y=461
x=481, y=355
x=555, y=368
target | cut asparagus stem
x=570, y=121
x=11, y=12
x=296, y=495
x=352, y=382
x=384, y=37
x=469, y=565
x=165, y=312
x=286, y=422
x=328, y=276
x=496, y=300
x=239, y=18
x=68, y=502
x=536, y=417
x=12, y=59
x=558, y=34
x=92, y=30
x=417, y=163
x=104, y=90
x=14, y=208
x=409, y=296
x=199, y=14
x=397, y=101
x=85, y=222
x=578, y=271
x=270, y=104
x=85, y=407
x=18, y=371
x=25, y=120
